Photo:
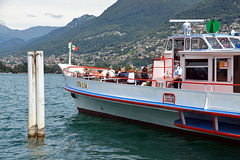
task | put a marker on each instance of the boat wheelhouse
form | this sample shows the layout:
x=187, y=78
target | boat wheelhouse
x=207, y=59
x=208, y=102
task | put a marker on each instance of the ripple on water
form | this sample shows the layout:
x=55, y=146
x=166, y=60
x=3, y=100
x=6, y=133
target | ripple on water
x=70, y=135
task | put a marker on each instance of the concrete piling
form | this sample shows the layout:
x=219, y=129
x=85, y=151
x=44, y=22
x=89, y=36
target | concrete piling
x=40, y=95
x=36, y=106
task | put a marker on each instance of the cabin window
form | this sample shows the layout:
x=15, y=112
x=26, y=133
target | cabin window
x=225, y=42
x=169, y=46
x=197, y=69
x=179, y=45
x=214, y=43
x=235, y=41
x=198, y=43
x=187, y=43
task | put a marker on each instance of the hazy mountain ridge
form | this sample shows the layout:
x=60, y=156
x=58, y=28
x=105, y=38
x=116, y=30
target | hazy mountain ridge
x=133, y=19
x=27, y=34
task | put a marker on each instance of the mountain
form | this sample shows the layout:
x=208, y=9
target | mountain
x=12, y=43
x=35, y=32
x=80, y=20
x=56, y=42
x=224, y=11
x=4, y=33
x=27, y=34
x=192, y=1
x=124, y=21
x=4, y=29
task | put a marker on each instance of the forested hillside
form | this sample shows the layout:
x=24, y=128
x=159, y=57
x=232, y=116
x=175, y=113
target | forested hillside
x=125, y=27
x=225, y=11
x=131, y=18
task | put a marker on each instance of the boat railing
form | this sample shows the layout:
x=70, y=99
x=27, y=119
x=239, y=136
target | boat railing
x=69, y=73
x=107, y=78
x=85, y=67
x=202, y=83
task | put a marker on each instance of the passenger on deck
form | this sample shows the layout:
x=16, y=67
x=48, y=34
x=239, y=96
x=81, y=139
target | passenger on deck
x=177, y=75
x=131, y=76
x=122, y=72
x=104, y=72
x=144, y=75
x=89, y=72
x=111, y=72
x=94, y=73
x=85, y=71
x=79, y=74
x=119, y=71
x=99, y=74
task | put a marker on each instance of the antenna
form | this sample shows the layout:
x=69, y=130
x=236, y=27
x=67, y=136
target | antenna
x=186, y=25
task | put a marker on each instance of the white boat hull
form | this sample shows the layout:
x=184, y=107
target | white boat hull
x=139, y=113
x=196, y=111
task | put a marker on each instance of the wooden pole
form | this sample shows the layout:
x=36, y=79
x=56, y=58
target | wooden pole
x=40, y=95
x=31, y=95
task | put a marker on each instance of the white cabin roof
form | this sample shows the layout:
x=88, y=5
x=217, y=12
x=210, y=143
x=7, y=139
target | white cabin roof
x=213, y=42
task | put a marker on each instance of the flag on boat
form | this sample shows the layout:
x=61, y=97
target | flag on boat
x=72, y=47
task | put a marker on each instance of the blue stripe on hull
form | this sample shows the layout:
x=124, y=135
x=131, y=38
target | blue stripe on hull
x=150, y=103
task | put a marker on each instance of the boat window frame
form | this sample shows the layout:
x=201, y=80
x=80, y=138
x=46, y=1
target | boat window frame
x=187, y=43
x=219, y=44
x=229, y=69
x=178, y=46
x=232, y=46
x=167, y=48
x=206, y=68
x=202, y=40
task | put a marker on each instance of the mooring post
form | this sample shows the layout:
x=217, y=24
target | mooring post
x=40, y=95
x=36, y=113
x=32, y=121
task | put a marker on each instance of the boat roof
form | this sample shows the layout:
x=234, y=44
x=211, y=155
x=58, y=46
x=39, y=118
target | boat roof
x=203, y=35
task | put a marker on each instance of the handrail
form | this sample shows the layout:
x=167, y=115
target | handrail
x=84, y=67
x=98, y=76
x=203, y=83
x=69, y=72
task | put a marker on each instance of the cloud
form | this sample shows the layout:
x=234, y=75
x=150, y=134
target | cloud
x=2, y=22
x=53, y=15
x=31, y=15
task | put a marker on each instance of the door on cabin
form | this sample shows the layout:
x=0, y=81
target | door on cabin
x=223, y=73
x=236, y=78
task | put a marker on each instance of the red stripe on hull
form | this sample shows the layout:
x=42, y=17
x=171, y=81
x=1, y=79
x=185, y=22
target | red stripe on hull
x=155, y=105
x=209, y=131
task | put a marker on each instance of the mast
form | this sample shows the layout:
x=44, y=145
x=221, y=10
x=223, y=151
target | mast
x=70, y=54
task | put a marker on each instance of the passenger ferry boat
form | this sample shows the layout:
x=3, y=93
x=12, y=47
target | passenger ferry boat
x=208, y=101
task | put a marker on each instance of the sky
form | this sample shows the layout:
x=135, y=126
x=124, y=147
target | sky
x=23, y=14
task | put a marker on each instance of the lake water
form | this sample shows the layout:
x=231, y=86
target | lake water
x=72, y=135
